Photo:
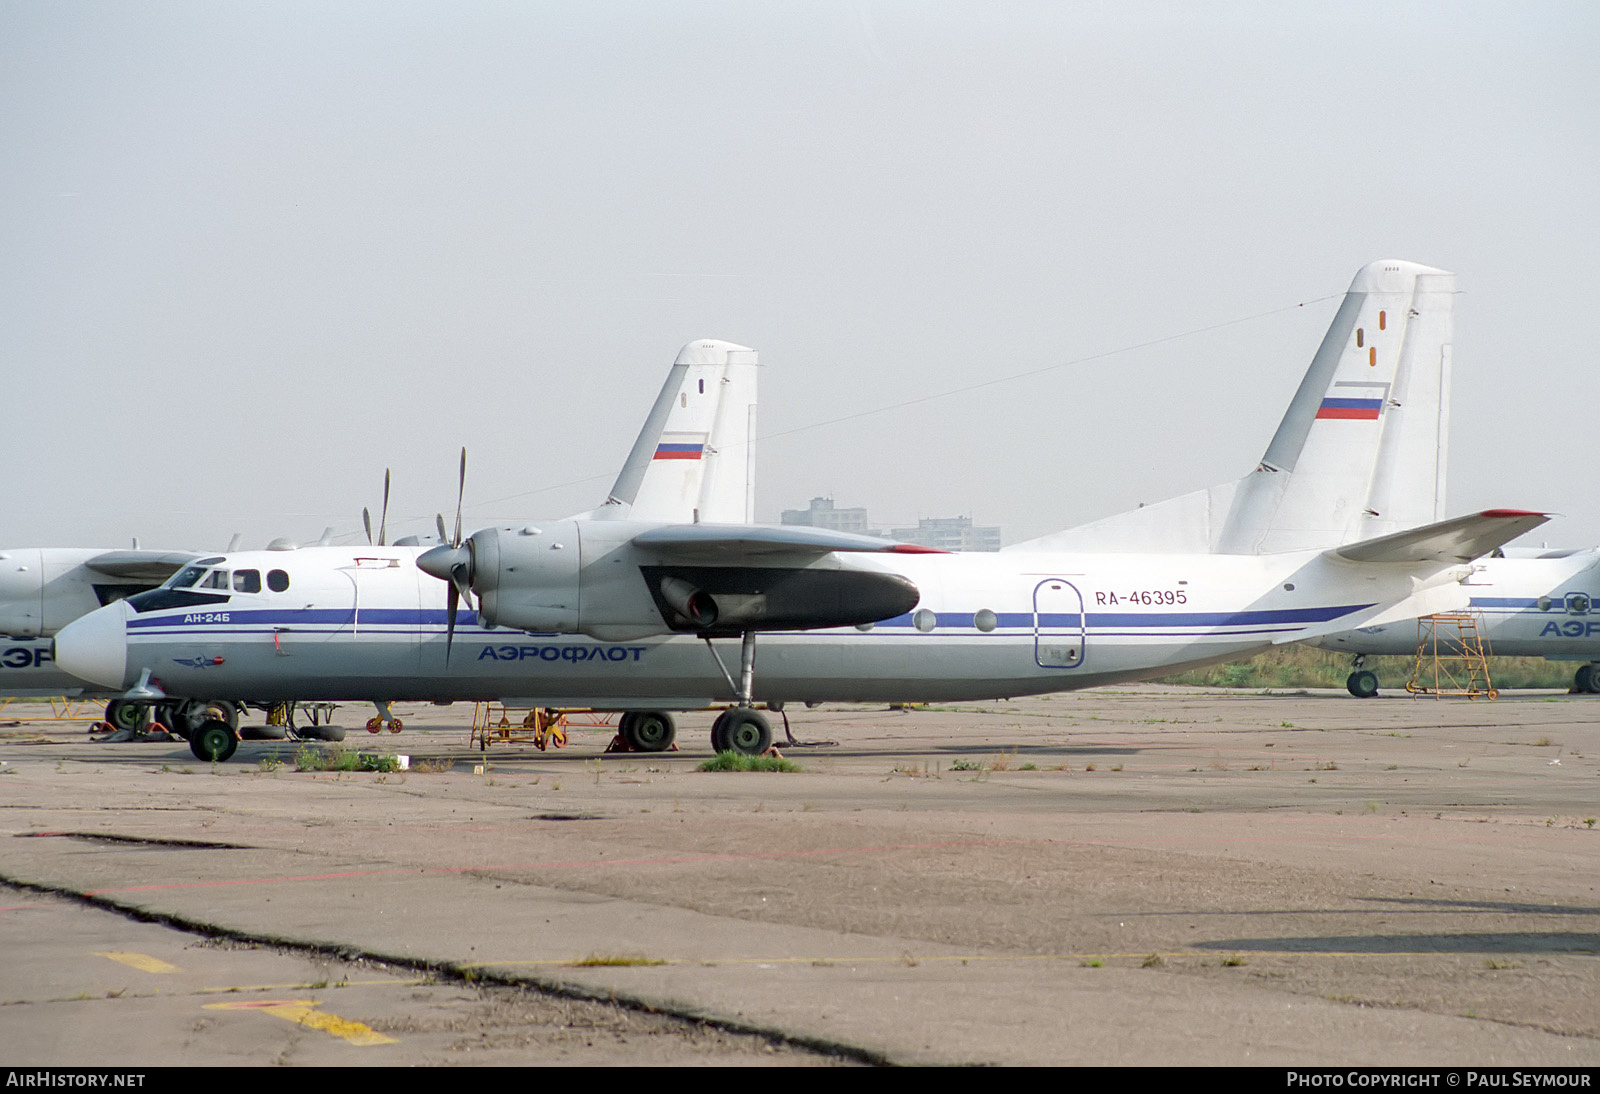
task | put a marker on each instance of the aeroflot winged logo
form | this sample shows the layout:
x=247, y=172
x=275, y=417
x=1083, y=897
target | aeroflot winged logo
x=201, y=662
x=681, y=446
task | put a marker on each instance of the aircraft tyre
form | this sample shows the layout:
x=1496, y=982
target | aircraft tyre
x=1586, y=679
x=123, y=715
x=719, y=732
x=1362, y=684
x=648, y=730
x=321, y=733
x=746, y=732
x=263, y=733
x=214, y=741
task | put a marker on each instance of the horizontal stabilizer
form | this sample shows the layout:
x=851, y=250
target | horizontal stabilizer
x=1460, y=539
x=140, y=565
x=712, y=541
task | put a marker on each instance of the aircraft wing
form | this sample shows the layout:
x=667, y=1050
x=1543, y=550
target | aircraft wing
x=140, y=565
x=1460, y=539
x=725, y=542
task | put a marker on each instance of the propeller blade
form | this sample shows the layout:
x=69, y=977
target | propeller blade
x=461, y=578
x=450, y=602
x=366, y=522
x=383, y=521
x=461, y=492
x=439, y=519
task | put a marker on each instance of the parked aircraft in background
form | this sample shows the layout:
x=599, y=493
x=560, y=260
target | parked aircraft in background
x=627, y=613
x=1546, y=605
x=42, y=589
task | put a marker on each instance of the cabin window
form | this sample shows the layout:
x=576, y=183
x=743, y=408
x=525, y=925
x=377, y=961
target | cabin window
x=1383, y=321
x=1577, y=604
x=277, y=580
x=247, y=581
x=985, y=620
x=924, y=620
x=1360, y=338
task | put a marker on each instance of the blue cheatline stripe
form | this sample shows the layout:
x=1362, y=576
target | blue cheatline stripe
x=334, y=617
x=1513, y=601
x=1098, y=620
x=331, y=621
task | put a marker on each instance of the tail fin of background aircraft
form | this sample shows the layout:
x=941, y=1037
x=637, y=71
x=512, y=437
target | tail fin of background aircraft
x=1360, y=452
x=694, y=460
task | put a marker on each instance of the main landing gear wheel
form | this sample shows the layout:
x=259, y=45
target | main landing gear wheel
x=214, y=741
x=1586, y=679
x=123, y=715
x=647, y=730
x=1362, y=684
x=741, y=730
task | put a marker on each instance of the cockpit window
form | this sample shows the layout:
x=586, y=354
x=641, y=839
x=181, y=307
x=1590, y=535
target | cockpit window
x=153, y=600
x=247, y=581
x=277, y=580
x=186, y=577
x=216, y=579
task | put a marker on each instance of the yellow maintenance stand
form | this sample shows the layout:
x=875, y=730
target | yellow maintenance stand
x=1452, y=657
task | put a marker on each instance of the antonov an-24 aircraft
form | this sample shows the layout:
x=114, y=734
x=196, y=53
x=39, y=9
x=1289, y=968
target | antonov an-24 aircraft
x=622, y=612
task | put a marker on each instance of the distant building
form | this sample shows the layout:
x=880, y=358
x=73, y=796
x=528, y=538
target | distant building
x=949, y=534
x=944, y=533
x=822, y=514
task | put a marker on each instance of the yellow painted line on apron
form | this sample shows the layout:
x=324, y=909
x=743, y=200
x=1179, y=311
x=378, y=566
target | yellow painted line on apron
x=304, y=1012
x=141, y=961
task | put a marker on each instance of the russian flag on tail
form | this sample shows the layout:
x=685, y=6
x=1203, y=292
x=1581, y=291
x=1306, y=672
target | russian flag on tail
x=681, y=446
x=1359, y=409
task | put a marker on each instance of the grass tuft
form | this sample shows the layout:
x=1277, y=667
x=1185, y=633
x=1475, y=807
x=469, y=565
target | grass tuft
x=616, y=960
x=339, y=758
x=737, y=761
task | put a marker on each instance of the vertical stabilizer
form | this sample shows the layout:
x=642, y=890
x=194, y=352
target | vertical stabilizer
x=694, y=460
x=1360, y=451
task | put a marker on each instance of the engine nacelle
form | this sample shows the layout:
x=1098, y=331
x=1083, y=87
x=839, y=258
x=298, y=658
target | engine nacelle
x=528, y=578
x=589, y=577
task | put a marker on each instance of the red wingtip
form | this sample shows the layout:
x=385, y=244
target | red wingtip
x=915, y=549
x=1511, y=514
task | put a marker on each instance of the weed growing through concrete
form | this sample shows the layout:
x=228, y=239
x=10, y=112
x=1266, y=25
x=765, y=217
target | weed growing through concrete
x=339, y=758
x=616, y=960
x=736, y=761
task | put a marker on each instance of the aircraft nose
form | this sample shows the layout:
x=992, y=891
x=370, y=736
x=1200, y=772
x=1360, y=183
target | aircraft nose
x=94, y=647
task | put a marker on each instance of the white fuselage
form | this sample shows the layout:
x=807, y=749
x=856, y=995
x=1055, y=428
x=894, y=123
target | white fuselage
x=363, y=625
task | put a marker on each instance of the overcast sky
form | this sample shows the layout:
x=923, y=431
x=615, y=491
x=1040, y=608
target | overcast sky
x=252, y=254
